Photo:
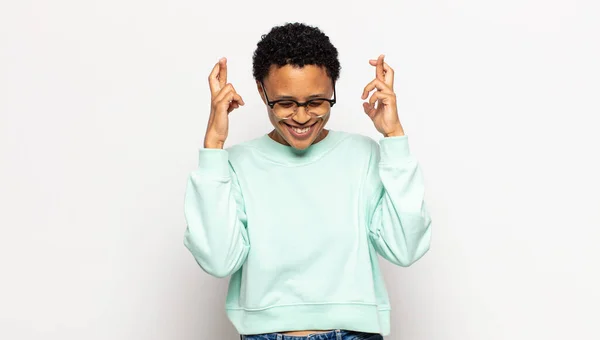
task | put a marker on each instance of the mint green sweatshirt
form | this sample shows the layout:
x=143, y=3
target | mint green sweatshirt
x=299, y=231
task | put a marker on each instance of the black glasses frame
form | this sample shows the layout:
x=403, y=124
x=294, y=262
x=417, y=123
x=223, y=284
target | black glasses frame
x=299, y=104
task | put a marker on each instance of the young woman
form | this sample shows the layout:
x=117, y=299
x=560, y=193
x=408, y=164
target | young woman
x=297, y=216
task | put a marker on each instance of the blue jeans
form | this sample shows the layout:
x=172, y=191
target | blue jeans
x=332, y=335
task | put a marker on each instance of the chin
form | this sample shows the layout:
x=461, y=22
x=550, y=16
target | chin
x=300, y=139
x=301, y=145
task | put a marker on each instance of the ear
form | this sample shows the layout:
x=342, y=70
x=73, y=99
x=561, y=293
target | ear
x=260, y=91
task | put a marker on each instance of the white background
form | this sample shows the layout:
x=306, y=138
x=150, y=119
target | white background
x=104, y=105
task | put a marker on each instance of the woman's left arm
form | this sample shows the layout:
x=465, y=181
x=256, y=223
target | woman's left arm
x=399, y=224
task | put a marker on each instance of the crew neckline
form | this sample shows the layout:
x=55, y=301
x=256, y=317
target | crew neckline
x=286, y=154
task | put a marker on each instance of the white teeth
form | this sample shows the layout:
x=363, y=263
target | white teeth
x=301, y=131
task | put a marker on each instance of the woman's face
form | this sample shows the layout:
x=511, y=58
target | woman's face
x=300, y=84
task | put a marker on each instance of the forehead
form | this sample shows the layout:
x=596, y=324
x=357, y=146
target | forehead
x=298, y=81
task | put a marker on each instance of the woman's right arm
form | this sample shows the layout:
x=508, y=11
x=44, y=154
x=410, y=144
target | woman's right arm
x=214, y=207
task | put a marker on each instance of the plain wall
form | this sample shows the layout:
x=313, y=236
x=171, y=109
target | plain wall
x=104, y=105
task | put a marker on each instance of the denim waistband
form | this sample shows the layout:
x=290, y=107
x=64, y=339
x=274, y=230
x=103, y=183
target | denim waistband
x=331, y=335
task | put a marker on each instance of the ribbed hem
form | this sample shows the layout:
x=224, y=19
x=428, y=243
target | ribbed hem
x=355, y=317
x=213, y=162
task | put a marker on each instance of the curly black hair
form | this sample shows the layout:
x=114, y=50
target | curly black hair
x=295, y=44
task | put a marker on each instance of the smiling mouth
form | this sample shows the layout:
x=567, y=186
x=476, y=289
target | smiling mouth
x=300, y=132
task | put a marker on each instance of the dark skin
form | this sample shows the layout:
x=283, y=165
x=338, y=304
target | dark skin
x=300, y=84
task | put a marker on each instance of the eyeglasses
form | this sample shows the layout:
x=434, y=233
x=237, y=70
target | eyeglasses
x=288, y=108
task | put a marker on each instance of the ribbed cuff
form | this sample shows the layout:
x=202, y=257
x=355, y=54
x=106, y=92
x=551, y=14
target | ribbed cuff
x=393, y=149
x=214, y=162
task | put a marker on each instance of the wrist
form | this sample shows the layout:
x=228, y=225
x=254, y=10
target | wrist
x=213, y=140
x=396, y=133
x=210, y=144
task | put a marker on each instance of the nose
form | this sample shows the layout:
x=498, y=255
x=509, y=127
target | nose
x=302, y=118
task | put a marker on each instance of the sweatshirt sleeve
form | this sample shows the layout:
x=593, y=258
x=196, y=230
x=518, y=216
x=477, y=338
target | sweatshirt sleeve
x=399, y=224
x=215, y=215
